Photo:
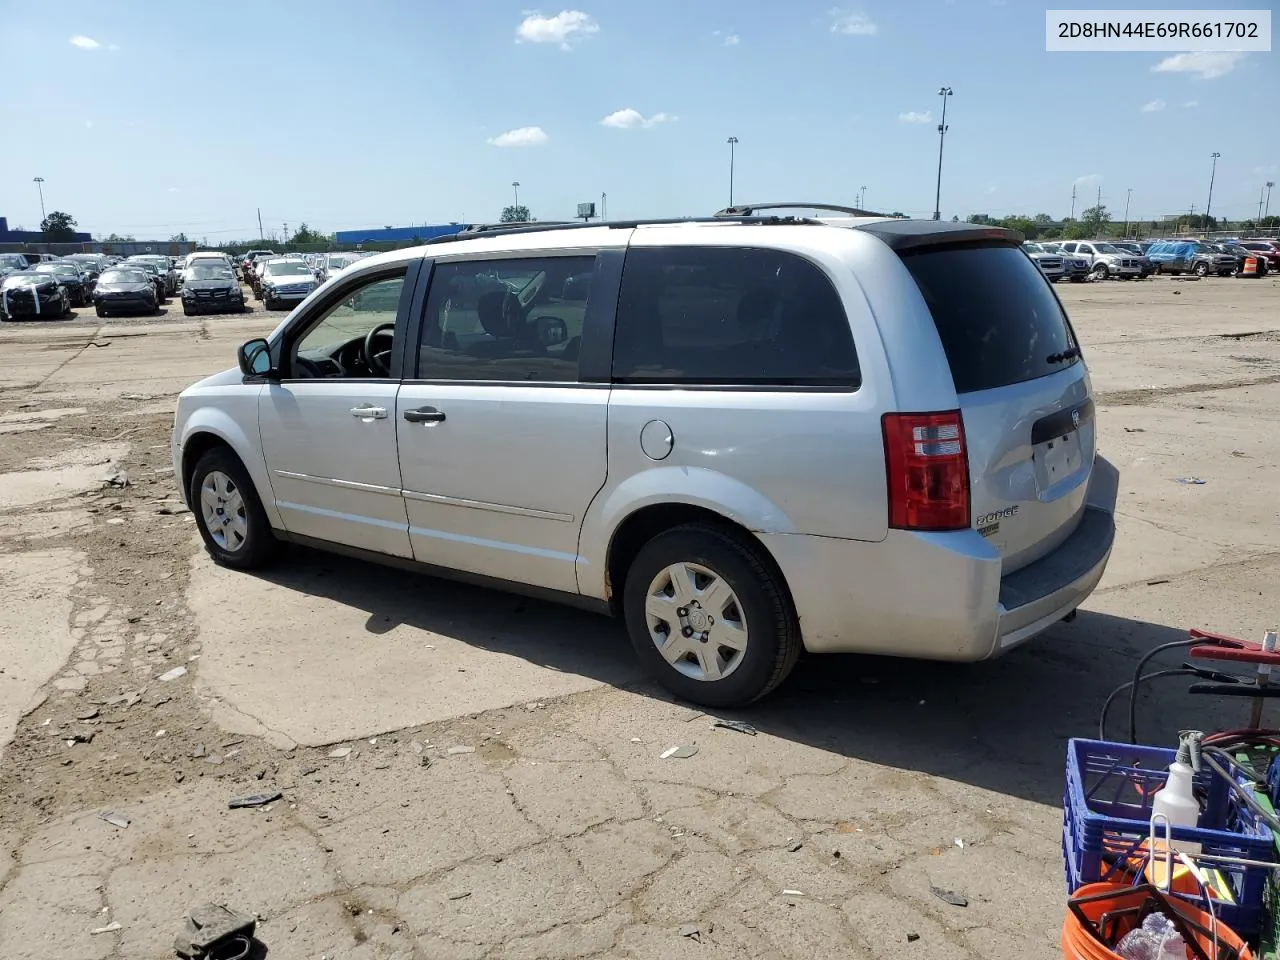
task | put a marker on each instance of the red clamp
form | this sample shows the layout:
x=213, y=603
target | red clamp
x=1218, y=646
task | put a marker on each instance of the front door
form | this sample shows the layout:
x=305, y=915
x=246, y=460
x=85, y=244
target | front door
x=501, y=446
x=328, y=428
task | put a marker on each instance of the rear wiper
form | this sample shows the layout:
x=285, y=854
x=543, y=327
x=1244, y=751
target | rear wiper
x=1068, y=354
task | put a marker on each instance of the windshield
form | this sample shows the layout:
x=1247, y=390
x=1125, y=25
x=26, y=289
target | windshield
x=209, y=271
x=1108, y=248
x=125, y=276
x=288, y=269
x=1033, y=248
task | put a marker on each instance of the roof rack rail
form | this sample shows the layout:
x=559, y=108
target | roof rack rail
x=507, y=229
x=747, y=209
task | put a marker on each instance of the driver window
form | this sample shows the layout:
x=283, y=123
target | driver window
x=336, y=345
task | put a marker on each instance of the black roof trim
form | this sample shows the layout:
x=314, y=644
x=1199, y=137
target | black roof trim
x=902, y=235
x=747, y=209
x=508, y=229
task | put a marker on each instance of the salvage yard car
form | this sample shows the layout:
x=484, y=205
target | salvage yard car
x=1050, y=263
x=1105, y=261
x=70, y=278
x=285, y=282
x=211, y=287
x=126, y=288
x=731, y=432
x=32, y=295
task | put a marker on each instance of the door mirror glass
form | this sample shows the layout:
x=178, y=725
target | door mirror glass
x=255, y=358
x=551, y=331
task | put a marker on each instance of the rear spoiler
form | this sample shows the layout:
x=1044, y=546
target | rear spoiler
x=902, y=235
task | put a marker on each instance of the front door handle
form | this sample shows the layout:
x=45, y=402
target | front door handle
x=424, y=415
x=367, y=411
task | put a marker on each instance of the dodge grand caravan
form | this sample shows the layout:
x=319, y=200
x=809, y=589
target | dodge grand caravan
x=746, y=435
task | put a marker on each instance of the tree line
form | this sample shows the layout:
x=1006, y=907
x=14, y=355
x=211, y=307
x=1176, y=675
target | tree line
x=1097, y=221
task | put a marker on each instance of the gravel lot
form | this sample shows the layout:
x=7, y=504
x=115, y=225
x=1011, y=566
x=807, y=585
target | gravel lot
x=468, y=774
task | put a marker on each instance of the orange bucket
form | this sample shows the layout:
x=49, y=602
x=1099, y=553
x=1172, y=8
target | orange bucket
x=1079, y=944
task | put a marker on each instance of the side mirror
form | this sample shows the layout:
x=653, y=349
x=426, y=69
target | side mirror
x=551, y=331
x=255, y=358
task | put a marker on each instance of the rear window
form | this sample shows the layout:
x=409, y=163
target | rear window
x=996, y=315
x=730, y=316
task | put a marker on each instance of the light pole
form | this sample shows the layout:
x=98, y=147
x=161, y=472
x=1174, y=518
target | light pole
x=1127, y=198
x=943, y=92
x=1207, y=223
x=1267, y=212
x=733, y=142
x=515, y=188
x=862, y=197
x=39, y=182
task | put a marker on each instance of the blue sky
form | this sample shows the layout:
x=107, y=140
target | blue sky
x=163, y=117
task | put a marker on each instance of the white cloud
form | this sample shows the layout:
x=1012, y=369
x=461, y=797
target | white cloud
x=1265, y=171
x=911, y=116
x=565, y=28
x=173, y=190
x=88, y=124
x=1089, y=178
x=732, y=40
x=628, y=118
x=991, y=189
x=520, y=137
x=852, y=24
x=1206, y=65
x=1154, y=106
x=1191, y=103
x=113, y=47
x=84, y=43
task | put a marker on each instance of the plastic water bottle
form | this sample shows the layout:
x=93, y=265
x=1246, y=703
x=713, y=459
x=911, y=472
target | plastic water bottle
x=1176, y=801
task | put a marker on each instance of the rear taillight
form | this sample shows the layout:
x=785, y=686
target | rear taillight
x=927, y=470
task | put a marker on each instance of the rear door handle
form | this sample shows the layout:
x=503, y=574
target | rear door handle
x=424, y=415
x=367, y=411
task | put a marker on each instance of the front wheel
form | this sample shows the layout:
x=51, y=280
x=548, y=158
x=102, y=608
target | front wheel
x=99, y=311
x=1100, y=272
x=228, y=513
x=709, y=616
x=1201, y=270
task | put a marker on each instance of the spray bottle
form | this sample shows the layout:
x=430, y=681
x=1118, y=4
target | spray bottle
x=1176, y=801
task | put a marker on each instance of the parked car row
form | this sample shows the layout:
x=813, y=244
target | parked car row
x=1056, y=264
x=1225, y=259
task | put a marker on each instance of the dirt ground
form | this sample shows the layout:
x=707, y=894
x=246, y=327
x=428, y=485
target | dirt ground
x=473, y=775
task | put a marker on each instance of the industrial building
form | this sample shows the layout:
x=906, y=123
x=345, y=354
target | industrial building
x=397, y=234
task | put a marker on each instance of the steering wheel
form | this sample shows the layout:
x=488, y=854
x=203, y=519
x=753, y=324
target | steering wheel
x=378, y=362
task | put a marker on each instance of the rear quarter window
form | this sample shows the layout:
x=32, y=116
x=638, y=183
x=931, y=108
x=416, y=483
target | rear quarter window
x=730, y=316
x=996, y=314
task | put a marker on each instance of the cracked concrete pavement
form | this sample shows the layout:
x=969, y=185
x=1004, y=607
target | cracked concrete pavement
x=474, y=775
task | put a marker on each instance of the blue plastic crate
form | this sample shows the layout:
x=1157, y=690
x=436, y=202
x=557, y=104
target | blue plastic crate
x=1107, y=813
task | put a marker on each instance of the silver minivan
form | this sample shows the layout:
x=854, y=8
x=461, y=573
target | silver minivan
x=747, y=435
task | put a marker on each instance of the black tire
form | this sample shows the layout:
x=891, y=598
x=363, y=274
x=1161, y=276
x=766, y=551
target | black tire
x=270, y=304
x=774, y=642
x=185, y=311
x=1100, y=271
x=259, y=544
x=99, y=311
x=1200, y=269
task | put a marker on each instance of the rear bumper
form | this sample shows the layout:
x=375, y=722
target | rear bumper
x=941, y=596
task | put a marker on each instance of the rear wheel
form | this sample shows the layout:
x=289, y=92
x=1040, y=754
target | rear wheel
x=709, y=616
x=228, y=513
